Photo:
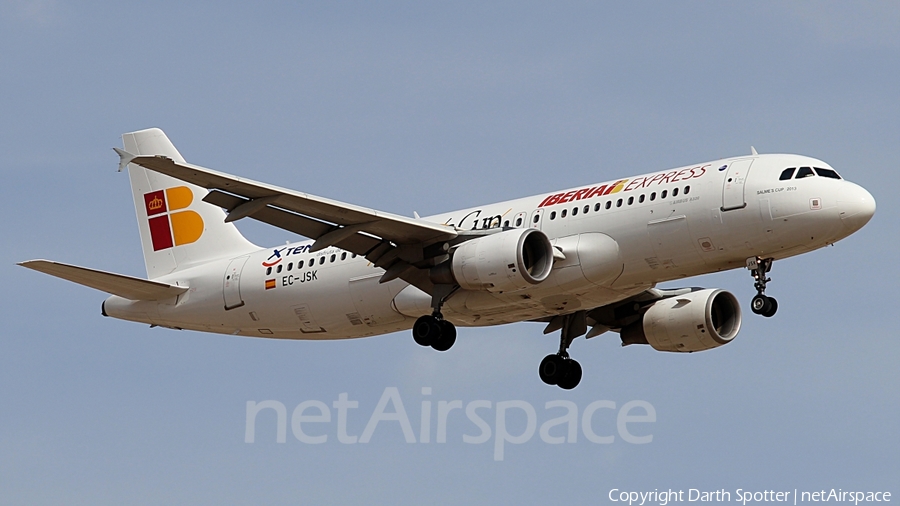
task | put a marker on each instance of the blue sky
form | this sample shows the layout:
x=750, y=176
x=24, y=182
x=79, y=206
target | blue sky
x=430, y=107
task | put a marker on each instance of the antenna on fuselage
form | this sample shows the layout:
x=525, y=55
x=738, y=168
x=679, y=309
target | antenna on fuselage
x=753, y=151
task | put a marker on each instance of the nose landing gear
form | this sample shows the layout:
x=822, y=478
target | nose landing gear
x=761, y=303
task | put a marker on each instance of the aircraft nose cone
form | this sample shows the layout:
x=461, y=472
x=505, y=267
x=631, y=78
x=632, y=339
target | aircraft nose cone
x=856, y=206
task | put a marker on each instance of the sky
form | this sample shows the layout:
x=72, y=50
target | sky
x=430, y=107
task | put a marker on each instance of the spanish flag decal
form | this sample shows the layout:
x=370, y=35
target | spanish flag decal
x=270, y=283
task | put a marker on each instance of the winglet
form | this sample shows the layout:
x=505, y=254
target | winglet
x=124, y=158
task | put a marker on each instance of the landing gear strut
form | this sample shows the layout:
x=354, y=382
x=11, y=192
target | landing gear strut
x=559, y=369
x=433, y=330
x=761, y=303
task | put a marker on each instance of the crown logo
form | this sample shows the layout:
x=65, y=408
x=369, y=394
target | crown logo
x=155, y=204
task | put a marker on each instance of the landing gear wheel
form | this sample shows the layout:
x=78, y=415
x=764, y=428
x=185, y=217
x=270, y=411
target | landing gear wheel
x=553, y=369
x=760, y=304
x=426, y=330
x=764, y=305
x=573, y=375
x=773, y=306
x=447, y=336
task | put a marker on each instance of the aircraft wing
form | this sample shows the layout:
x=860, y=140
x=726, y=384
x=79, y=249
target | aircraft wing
x=127, y=287
x=343, y=220
x=392, y=242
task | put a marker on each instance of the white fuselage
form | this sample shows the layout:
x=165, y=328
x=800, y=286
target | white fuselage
x=663, y=226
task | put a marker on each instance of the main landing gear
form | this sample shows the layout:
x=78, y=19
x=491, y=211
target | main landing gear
x=761, y=303
x=433, y=330
x=559, y=369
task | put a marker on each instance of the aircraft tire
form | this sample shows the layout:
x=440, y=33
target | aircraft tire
x=447, y=336
x=573, y=375
x=761, y=304
x=552, y=369
x=426, y=330
x=773, y=307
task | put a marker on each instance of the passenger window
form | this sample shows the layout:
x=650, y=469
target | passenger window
x=804, y=172
x=300, y=264
x=332, y=258
x=536, y=218
x=674, y=192
x=787, y=174
x=596, y=207
x=652, y=196
x=563, y=213
x=641, y=199
x=553, y=216
x=687, y=189
x=574, y=211
x=608, y=204
x=827, y=173
x=268, y=271
x=630, y=200
x=586, y=209
x=278, y=269
x=518, y=222
x=353, y=255
x=290, y=266
x=321, y=260
x=343, y=256
x=663, y=194
x=506, y=224
x=619, y=203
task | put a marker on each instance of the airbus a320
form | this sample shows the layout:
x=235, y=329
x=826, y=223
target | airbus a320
x=582, y=261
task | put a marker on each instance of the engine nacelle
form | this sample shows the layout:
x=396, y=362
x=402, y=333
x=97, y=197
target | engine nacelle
x=696, y=321
x=503, y=262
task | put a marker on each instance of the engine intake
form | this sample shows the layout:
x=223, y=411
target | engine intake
x=696, y=321
x=503, y=262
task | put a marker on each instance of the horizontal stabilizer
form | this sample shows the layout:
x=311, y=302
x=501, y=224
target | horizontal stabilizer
x=117, y=284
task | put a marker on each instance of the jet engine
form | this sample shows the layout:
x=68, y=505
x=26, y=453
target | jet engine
x=502, y=262
x=695, y=321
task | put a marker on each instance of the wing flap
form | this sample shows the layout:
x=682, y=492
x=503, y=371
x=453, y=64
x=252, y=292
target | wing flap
x=117, y=284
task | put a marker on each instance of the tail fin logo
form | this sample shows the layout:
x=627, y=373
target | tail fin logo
x=155, y=206
x=169, y=225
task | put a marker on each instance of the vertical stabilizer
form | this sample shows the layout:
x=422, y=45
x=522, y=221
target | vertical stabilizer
x=178, y=229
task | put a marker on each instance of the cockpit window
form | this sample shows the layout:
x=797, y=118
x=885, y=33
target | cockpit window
x=786, y=174
x=827, y=173
x=804, y=172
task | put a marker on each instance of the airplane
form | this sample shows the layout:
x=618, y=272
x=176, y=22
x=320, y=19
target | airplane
x=582, y=261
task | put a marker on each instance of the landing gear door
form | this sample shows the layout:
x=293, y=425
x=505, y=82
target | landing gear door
x=733, y=189
x=231, y=284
